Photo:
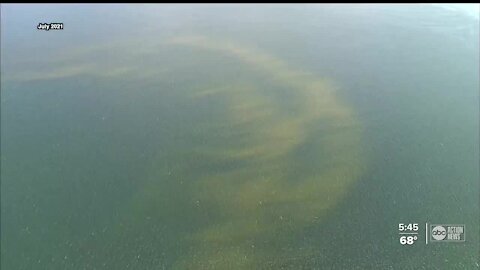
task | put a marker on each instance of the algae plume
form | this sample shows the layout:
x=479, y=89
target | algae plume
x=263, y=153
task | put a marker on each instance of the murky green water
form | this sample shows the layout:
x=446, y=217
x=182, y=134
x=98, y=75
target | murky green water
x=237, y=137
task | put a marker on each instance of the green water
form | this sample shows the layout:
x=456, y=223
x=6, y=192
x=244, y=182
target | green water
x=237, y=137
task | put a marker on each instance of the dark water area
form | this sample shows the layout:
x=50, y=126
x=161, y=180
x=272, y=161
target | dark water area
x=238, y=137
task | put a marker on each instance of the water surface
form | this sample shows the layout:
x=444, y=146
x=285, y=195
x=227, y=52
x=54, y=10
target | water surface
x=237, y=137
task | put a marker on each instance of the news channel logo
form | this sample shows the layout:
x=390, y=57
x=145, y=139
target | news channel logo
x=447, y=233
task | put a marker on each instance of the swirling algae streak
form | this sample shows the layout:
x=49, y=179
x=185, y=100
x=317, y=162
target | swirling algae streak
x=265, y=203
